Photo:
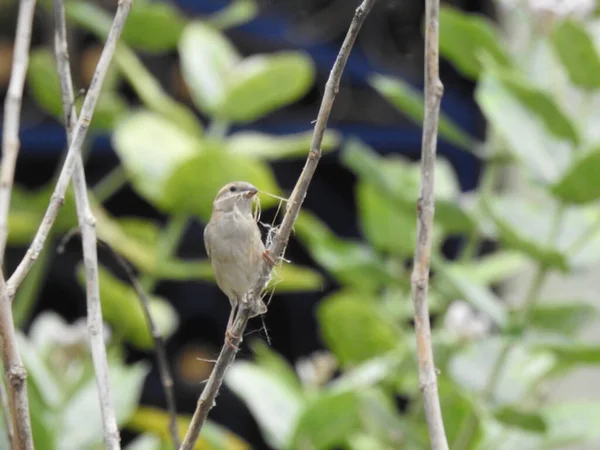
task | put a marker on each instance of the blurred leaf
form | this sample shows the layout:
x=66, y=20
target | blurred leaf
x=367, y=374
x=28, y=208
x=568, y=318
x=145, y=442
x=275, y=363
x=578, y=184
x=271, y=147
x=398, y=182
x=350, y=262
x=573, y=421
x=43, y=81
x=207, y=57
x=569, y=353
x=143, y=21
x=526, y=420
x=122, y=309
x=472, y=368
x=458, y=407
x=81, y=415
x=576, y=50
x=261, y=84
x=354, y=330
x=49, y=388
x=111, y=108
x=327, y=421
x=151, y=148
x=209, y=170
x=492, y=268
x=526, y=134
x=387, y=226
x=274, y=405
x=465, y=38
x=410, y=101
x=237, y=12
x=379, y=415
x=213, y=436
x=44, y=426
x=525, y=226
x=294, y=278
x=478, y=295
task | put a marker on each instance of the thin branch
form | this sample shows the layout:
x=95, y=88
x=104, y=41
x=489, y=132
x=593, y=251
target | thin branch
x=19, y=427
x=425, y=212
x=12, y=114
x=87, y=224
x=161, y=354
x=277, y=247
x=8, y=424
x=79, y=135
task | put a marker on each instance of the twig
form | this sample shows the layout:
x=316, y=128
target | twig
x=276, y=248
x=425, y=212
x=12, y=114
x=161, y=354
x=16, y=375
x=87, y=224
x=8, y=425
x=78, y=137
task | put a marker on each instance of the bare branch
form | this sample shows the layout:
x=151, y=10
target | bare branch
x=12, y=114
x=8, y=425
x=425, y=212
x=277, y=247
x=17, y=416
x=87, y=224
x=78, y=137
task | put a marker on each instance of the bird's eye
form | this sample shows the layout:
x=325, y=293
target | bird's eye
x=233, y=189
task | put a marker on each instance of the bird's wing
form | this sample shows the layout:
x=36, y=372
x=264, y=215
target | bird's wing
x=208, y=238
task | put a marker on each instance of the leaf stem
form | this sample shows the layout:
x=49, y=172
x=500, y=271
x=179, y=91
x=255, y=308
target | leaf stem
x=110, y=184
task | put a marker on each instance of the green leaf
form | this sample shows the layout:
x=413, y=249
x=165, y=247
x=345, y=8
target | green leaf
x=43, y=81
x=351, y=262
x=207, y=172
x=235, y=13
x=261, y=84
x=82, y=423
x=465, y=38
x=145, y=18
x=207, y=58
x=122, y=309
x=579, y=184
x=476, y=294
x=492, y=268
x=110, y=110
x=276, y=364
x=410, y=101
x=274, y=405
x=567, y=318
x=576, y=50
x=294, y=278
x=458, y=407
x=354, y=329
x=573, y=421
x=379, y=415
x=271, y=148
x=525, y=130
x=327, y=421
x=521, y=419
x=473, y=366
x=145, y=441
x=151, y=148
x=573, y=353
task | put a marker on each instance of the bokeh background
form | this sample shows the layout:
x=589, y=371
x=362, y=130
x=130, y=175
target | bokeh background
x=353, y=246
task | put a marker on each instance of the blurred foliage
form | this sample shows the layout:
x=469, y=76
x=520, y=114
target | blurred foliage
x=495, y=358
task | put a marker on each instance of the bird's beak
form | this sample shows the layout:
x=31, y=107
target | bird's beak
x=251, y=193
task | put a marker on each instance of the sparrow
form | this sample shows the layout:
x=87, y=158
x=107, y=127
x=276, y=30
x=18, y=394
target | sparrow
x=234, y=245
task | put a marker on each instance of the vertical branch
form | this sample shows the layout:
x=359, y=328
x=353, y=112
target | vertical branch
x=277, y=247
x=79, y=133
x=8, y=425
x=425, y=212
x=87, y=224
x=17, y=415
x=12, y=114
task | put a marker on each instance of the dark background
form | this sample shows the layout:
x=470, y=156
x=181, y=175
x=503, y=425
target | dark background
x=391, y=42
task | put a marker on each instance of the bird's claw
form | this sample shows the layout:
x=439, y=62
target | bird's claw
x=229, y=337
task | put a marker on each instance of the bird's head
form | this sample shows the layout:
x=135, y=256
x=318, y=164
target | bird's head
x=237, y=193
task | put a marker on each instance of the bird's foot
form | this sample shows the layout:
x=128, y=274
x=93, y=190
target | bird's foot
x=229, y=337
x=266, y=256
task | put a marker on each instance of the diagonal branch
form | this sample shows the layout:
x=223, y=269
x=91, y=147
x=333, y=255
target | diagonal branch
x=87, y=224
x=79, y=134
x=16, y=375
x=425, y=212
x=277, y=247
